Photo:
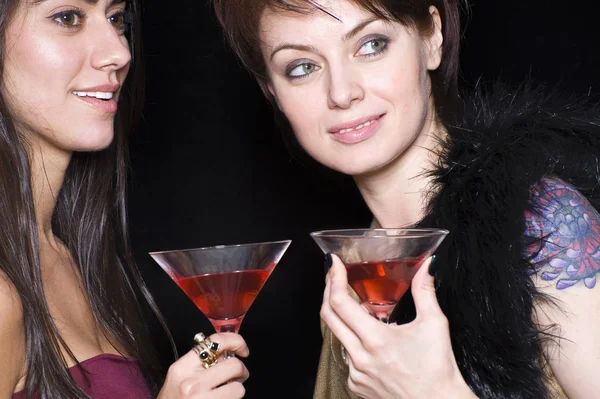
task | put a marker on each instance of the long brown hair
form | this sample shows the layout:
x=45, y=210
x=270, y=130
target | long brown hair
x=90, y=218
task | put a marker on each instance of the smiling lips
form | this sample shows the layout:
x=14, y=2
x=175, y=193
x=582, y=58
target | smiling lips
x=100, y=97
x=357, y=130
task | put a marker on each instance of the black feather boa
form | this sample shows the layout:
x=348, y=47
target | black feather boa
x=488, y=162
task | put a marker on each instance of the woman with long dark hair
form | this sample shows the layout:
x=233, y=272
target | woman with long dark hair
x=369, y=88
x=70, y=294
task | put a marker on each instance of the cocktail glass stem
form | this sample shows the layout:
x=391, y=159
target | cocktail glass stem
x=225, y=326
x=381, y=312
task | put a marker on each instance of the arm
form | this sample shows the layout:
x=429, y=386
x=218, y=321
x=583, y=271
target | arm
x=12, y=339
x=566, y=266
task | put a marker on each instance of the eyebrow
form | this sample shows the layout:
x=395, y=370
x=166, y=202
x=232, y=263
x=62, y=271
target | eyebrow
x=358, y=28
x=290, y=46
x=91, y=2
x=301, y=47
x=112, y=2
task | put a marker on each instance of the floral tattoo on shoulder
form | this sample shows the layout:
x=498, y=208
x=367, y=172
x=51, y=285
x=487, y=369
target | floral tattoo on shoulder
x=569, y=229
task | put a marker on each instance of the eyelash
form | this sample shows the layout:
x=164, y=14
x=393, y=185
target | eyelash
x=78, y=13
x=127, y=15
x=128, y=19
x=294, y=66
x=385, y=42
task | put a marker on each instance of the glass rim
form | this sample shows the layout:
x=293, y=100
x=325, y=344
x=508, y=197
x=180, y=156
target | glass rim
x=252, y=244
x=359, y=233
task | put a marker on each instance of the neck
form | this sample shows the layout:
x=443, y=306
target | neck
x=48, y=168
x=396, y=193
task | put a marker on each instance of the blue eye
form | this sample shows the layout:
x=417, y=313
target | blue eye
x=373, y=47
x=302, y=70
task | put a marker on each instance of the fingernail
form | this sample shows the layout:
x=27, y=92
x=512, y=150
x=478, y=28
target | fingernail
x=433, y=266
x=328, y=262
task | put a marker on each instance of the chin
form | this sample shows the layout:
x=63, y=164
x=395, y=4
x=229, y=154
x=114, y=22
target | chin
x=355, y=169
x=369, y=162
x=94, y=143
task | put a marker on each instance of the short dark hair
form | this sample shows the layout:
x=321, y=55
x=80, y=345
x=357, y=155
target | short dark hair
x=241, y=21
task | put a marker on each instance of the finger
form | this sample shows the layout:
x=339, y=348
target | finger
x=228, y=342
x=338, y=328
x=355, y=378
x=348, y=339
x=231, y=342
x=231, y=369
x=190, y=361
x=423, y=291
x=346, y=308
x=233, y=390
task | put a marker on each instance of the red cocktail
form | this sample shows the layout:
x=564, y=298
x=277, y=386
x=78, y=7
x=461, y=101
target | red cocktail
x=381, y=263
x=222, y=281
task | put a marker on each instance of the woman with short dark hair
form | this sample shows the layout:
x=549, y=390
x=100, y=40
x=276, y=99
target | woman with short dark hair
x=369, y=88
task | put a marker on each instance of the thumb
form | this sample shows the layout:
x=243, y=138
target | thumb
x=423, y=291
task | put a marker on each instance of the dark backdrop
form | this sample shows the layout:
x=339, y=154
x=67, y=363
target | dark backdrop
x=209, y=167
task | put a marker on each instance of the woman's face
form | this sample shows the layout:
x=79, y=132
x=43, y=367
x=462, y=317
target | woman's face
x=356, y=91
x=65, y=64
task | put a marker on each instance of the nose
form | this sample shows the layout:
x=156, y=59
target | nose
x=345, y=86
x=110, y=50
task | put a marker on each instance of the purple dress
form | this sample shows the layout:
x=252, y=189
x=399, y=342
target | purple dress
x=109, y=376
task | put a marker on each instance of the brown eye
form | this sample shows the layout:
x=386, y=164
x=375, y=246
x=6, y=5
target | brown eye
x=68, y=19
x=117, y=20
x=121, y=21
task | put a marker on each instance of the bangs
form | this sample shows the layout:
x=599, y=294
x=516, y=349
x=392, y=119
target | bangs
x=375, y=7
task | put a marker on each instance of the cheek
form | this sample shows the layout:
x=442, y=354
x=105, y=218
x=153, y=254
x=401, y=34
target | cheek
x=39, y=73
x=400, y=83
x=35, y=65
x=303, y=109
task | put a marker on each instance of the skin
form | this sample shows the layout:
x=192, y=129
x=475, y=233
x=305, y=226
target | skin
x=45, y=61
x=565, y=268
x=339, y=85
x=351, y=80
x=53, y=48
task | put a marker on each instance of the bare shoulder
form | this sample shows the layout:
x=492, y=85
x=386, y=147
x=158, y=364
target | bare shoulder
x=12, y=337
x=564, y=229
x=567, y=228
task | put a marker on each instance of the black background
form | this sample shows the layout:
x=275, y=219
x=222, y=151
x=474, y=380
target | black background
x=209, y=167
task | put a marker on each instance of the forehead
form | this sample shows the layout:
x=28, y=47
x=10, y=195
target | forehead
x=278, y=25
x=33, y=3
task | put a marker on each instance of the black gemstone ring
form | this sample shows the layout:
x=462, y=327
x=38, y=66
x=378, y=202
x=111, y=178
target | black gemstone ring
x=206, y=349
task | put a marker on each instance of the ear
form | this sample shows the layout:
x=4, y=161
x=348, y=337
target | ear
x=434, y=40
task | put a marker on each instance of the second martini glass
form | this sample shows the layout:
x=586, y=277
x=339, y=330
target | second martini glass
x=380, y=263
x=224, y=280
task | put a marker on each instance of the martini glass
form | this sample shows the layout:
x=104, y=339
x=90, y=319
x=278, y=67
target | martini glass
x=222, y=281
x=380, y=263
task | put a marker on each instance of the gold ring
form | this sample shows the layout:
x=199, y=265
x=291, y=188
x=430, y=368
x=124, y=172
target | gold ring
x=207, y=350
